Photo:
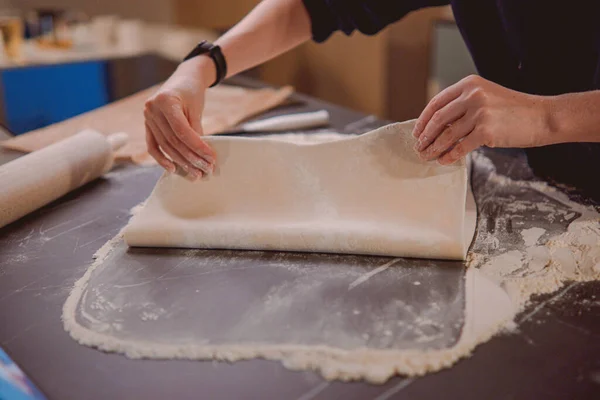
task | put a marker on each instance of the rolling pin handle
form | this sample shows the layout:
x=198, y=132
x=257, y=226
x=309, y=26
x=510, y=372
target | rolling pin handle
x=118, y=140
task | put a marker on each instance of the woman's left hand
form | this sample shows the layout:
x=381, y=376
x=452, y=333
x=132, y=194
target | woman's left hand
x=476, y=112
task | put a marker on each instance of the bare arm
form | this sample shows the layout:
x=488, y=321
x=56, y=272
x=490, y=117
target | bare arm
x=270, y=29
x=476, y=112
x=173, y=114
x=574, y=117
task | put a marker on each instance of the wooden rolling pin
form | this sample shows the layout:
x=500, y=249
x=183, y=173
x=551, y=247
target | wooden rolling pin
x=38, y=178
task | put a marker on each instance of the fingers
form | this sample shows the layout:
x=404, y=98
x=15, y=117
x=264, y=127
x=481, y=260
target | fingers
x=191, y=158
x=184, y=132
x=450, y=135
x=156, y=153
x=439, y=122
x=462, y=148
x=172, y=133
x=451, y=125
x=177, y=157
x=443, y=98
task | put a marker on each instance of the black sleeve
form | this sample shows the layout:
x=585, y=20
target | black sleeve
x=368, y=17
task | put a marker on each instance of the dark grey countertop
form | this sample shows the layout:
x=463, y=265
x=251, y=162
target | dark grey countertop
x=554, y=355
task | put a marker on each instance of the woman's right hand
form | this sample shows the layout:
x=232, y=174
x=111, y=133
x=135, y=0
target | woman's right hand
x=173, y=117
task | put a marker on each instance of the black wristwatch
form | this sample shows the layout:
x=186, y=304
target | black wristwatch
x=204, y=47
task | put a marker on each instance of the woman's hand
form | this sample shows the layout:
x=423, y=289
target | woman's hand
x=174, y=113
x=476, y=112
x=173, y=118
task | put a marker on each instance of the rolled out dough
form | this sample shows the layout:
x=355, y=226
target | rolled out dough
x=367, y=194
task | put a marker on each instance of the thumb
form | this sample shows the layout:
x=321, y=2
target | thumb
x=195, y=118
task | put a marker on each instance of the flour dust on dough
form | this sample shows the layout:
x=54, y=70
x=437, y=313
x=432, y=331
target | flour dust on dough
x=498, y=284
x=369, y=194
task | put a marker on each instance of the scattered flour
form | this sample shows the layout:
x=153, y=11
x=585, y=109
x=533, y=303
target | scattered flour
x=531, y=235
x=499, y=283
x=136, y=209
x=539, y=268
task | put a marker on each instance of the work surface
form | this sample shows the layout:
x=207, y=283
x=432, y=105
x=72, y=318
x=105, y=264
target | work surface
x=555, y=354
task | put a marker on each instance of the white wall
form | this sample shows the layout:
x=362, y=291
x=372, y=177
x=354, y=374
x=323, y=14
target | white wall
x=149, y=10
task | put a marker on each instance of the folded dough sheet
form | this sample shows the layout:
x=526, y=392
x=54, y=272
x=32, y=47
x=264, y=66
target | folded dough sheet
x=367, y=194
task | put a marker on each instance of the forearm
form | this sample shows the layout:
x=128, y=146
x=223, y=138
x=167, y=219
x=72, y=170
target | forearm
x=574, y=117
x=272, y=28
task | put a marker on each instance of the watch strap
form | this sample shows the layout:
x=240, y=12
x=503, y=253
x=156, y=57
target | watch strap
x=214, y=52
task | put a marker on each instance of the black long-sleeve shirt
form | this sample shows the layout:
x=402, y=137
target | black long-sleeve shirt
x=533, y=46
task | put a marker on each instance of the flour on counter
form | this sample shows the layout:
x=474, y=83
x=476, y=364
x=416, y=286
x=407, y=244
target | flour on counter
x=544, y=266
x=531, y=235
x=506, y=266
